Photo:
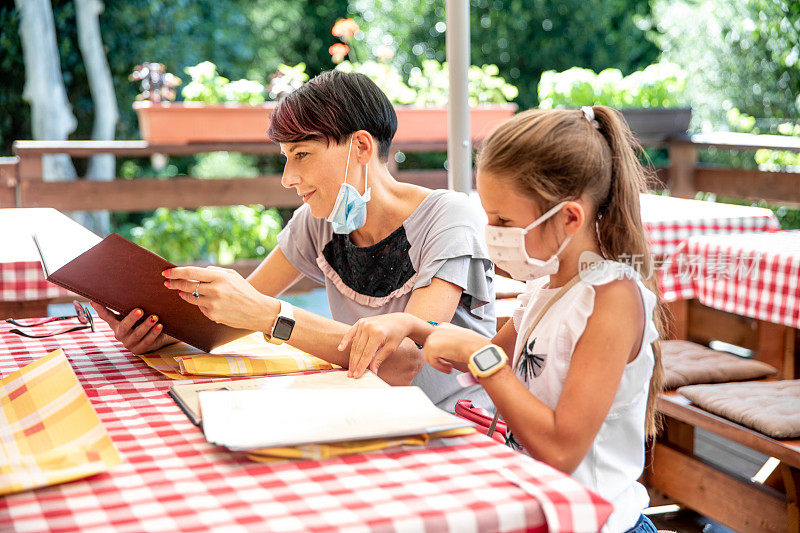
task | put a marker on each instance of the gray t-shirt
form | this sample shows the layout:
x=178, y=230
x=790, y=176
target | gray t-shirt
x=442, y=238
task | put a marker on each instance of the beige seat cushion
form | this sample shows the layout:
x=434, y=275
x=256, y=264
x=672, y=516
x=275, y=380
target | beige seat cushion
x=771, y=407
x=687, y=363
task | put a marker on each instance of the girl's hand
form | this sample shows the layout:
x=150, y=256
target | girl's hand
x=451, y=345
x=373, y=339
x=145, y=337
x=224, y=296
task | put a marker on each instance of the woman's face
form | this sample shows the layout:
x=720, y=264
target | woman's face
x=316, y=171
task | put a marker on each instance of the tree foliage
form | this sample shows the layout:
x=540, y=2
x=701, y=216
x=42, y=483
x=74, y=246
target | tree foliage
x=522, y=37
x=742, y=54
x=245, y=39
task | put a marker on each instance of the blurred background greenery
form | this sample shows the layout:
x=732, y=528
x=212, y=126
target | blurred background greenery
x=735, y=62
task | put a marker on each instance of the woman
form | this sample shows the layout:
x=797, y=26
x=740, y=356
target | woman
x=378, y=246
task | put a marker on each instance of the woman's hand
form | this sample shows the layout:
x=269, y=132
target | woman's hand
x=145, y=337
x=373, y=339
x=224, y=296
x=450, y=345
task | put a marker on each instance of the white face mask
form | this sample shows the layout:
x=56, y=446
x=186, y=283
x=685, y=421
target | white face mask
x=507, y=250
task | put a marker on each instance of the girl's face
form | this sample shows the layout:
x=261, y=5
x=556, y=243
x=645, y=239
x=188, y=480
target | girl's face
x=316, y=171
x=506, y=206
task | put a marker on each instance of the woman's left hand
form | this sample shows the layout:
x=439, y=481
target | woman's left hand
x=451, y=345
x=224, y=296
x=373, y=339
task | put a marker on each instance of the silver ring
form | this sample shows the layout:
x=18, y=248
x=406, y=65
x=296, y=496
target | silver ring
x=195, y=293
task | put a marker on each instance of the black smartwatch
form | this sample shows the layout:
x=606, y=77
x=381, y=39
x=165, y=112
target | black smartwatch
x=284, y=325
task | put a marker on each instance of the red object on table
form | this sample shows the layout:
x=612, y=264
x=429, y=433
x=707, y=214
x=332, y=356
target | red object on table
x=755, y=275
x=483, y=420
x=172, y=479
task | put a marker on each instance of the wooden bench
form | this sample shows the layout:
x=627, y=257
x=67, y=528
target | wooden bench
x=744, y=505
x=675, y=470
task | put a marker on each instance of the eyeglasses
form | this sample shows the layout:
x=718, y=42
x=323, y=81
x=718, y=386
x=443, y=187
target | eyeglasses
x=81, y=313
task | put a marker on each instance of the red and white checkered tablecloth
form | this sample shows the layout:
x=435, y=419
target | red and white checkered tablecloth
x=21, y=275
x=173, y=480
x=24, y=281
x=670, y=221
x=756, y=275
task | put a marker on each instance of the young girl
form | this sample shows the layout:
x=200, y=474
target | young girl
x=561, y=190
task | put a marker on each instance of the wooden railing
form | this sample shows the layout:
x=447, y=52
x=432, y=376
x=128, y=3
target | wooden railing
x=21, y=183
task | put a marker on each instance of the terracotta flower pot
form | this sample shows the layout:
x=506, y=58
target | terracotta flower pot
x=194, y=122
x=429, y=124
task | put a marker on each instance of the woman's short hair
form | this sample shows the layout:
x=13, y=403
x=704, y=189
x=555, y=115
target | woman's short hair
x=330, y=107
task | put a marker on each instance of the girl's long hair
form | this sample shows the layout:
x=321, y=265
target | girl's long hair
x=555, y=155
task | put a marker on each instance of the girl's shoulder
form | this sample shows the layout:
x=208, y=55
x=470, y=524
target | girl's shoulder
x=618, y=282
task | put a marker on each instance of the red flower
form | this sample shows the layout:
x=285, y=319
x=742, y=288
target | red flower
x=345, y=28
x=338, y=52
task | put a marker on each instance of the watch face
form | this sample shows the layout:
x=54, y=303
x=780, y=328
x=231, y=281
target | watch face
x=283, y=328
x=486, y=359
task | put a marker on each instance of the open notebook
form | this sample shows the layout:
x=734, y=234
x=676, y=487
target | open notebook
x=279, y=417
x=186, y=394
x=122, y=276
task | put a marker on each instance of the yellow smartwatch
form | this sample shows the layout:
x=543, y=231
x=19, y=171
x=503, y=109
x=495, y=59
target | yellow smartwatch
x=284, y=324
x=487, y=361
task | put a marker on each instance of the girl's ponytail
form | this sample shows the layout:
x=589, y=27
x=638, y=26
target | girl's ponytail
x=621, y=234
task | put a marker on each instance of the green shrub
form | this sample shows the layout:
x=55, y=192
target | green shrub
x=218, y=235
x=429, y=85
x=771, y=160
x=209, y=87
x=660, y=85
x=225, y=165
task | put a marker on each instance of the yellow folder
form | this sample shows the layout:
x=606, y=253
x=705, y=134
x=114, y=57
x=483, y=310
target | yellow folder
x=248, y=356
x=50, y=432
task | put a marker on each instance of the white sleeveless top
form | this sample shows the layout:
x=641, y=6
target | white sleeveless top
x=616, y=459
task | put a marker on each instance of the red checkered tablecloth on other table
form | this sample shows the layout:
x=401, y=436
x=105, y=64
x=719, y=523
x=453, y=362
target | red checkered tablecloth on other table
x=24, y=281
x=668, y=222
x=172, y=479
x=756, y=275
x=21, y=275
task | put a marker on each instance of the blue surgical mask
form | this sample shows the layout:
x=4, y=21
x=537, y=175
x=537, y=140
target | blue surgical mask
x=350, y=208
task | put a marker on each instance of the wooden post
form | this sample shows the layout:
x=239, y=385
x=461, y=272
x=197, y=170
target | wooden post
x=776, y=347
x=679, y=435
x=791, y=482
x=683, y=160
x=8, y=181
x=679, y=321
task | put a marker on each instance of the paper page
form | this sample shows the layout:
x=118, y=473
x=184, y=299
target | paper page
x=188, y=392
x=58, y=246
x=248, y=419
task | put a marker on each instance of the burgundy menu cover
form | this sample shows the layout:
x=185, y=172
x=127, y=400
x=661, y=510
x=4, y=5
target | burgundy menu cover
x=122, y=276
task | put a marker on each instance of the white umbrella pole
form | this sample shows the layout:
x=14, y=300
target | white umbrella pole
x=459, y=144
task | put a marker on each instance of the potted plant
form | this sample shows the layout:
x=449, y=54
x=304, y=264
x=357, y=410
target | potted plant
x=213, y=109
x=217, y=110
x=421, y=103
x=652, y=100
